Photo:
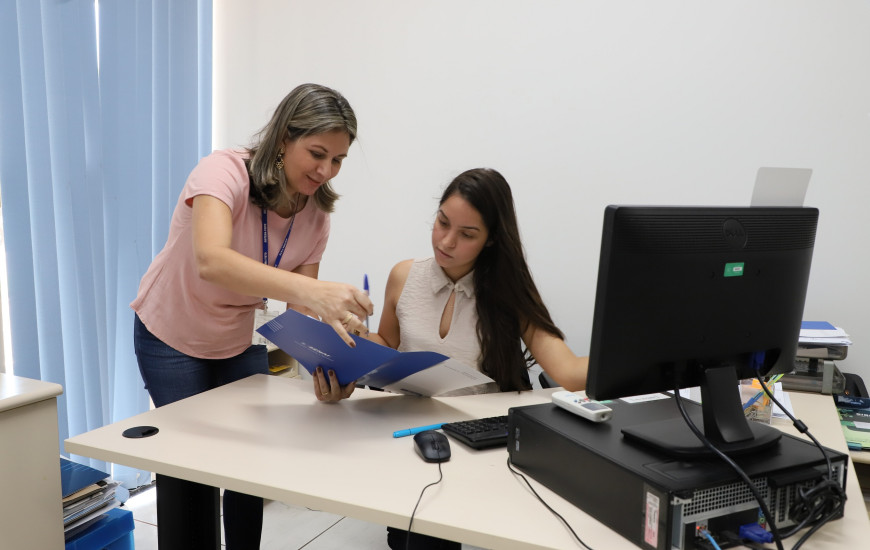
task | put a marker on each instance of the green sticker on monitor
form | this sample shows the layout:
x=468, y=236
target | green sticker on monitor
x=734, y=269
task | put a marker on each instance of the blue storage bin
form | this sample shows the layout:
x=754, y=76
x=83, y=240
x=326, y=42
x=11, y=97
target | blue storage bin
x=114, y=532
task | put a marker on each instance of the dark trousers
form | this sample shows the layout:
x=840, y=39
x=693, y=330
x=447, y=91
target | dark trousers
x=188, y=513
x=397, y=539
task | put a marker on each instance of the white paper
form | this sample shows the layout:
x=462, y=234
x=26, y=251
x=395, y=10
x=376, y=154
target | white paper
x=781, y=186
x=644, y=397
x=445, y=377
x=782, y=397
x=825, y=341
x=91, y=515
x=822, y=333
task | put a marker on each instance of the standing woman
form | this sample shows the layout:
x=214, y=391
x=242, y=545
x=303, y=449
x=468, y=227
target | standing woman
x=250, y=224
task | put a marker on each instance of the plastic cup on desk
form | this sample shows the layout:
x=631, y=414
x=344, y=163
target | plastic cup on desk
x=757, y=406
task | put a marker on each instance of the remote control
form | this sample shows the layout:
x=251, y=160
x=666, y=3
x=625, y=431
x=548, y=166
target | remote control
x=582, y=406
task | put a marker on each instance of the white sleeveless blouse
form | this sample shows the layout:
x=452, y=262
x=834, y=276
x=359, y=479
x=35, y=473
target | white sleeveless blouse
x=419, y=312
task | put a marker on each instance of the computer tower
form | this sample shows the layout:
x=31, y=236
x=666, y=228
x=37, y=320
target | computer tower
x=652, y=499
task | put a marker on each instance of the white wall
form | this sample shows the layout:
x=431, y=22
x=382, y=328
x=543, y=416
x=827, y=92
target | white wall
x=579, y=104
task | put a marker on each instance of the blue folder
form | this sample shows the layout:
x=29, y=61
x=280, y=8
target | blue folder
x=75, y=477
x=314, y=343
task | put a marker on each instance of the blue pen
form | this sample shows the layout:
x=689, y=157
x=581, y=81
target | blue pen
x=758, y=395
x=752, y=401
x=412, y=431
x=366, y=289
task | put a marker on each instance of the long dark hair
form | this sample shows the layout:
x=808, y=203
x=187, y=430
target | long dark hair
x=307, y=110
x=508, y=301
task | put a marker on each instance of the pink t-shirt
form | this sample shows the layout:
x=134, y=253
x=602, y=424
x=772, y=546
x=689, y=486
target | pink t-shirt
x=202, y=319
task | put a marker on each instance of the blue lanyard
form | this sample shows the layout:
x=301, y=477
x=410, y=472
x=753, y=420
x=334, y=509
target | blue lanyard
x=266, y=241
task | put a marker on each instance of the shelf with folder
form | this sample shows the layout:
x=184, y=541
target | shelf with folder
x=833, y=352
x=813, y=375
x=823, y=341
x=281, y=364
x=820, y=344
x=87, y=494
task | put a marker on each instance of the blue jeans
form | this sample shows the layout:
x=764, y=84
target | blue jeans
x=170, y=376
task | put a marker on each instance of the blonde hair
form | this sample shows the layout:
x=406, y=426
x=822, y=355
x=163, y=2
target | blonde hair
x=307, y=110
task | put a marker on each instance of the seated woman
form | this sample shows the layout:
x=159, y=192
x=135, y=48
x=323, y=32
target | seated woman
x=475, y=301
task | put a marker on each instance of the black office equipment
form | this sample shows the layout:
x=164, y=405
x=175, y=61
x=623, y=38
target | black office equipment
x=432, y=446
x=855, y=385
x=686, y=296
x=651, y=498
x=699, y=296
x=480, y=433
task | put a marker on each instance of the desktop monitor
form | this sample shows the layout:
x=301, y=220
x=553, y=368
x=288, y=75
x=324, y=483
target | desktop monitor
x=699, y=296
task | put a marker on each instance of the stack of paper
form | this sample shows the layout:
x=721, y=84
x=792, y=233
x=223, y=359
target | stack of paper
x=87, y=495
x=822, y=340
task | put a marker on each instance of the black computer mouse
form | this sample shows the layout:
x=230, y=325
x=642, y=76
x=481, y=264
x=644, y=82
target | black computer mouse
x=432, y=446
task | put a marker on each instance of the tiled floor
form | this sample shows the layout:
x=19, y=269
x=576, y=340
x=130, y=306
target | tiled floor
x=284, y=528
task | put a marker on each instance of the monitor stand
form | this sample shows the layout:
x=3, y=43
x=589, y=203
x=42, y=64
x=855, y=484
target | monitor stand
x=723, y=423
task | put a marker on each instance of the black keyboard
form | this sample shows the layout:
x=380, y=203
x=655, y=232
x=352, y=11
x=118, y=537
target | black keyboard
x=480, y=433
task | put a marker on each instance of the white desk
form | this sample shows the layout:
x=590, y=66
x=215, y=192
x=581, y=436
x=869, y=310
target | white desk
x=269, y=436
x=31, y=512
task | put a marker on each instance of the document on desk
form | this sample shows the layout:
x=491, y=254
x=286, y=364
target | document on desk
x=314, y=343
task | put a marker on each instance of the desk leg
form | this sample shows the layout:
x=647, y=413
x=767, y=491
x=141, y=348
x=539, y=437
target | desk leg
x=188, y=515
x=862, y=472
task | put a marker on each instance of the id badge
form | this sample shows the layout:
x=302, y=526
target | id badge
x=261, y=317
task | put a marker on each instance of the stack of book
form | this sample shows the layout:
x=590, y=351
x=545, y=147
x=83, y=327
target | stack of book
x=855, y=420
x=87, y=495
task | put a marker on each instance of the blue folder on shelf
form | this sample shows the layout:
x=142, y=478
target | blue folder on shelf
x=75, y=477
x=817, y=325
